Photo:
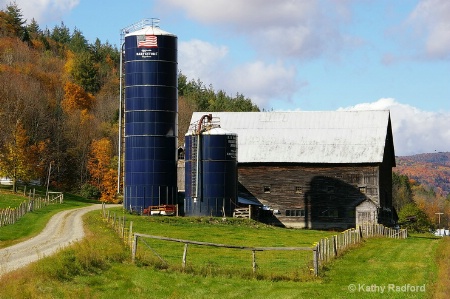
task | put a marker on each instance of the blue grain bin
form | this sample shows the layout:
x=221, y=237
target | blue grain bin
x=151, y=106
x=214, y=173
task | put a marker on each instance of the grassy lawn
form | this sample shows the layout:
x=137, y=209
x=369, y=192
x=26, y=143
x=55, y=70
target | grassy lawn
x=100, y=267
x=34, y=222
x=9, y=199
x=274, y=265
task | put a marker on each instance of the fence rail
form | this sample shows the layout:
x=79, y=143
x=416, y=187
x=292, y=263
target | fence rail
x=186, y=242
x=322, y=252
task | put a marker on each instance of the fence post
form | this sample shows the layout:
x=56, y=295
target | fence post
x=123, y=227
x=316, y=260
x=130, y=234
x=335, y=250
x=184, y=255
x=134, y=249
x=254, y=261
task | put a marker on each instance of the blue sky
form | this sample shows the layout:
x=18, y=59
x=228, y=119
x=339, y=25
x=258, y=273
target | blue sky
x=299, y=55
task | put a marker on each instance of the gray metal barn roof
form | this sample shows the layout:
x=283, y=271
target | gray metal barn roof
x=307, y=136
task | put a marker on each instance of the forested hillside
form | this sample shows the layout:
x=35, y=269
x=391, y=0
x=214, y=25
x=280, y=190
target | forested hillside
x=59, y=106
x=432, y=170
x=421, y=189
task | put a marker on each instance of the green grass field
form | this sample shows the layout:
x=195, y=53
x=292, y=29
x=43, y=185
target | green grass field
x=9, y=199
x=100, y=267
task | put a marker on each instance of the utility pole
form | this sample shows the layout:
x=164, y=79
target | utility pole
x=439, y=227
x=48, y=177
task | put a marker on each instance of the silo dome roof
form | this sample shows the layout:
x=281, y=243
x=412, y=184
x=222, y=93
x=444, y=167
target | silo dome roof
x=150, y=30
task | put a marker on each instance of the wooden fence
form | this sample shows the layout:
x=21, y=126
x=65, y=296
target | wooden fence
x=12, y=215
x=329, y=248
x=187, y=242
x=118, y=224
x=322, y=252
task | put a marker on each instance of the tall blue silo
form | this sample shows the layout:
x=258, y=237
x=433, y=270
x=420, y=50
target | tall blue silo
x=151, y=107
x=210, y=173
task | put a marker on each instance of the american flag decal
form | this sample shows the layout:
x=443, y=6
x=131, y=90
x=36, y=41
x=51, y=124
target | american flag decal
x=147, y=41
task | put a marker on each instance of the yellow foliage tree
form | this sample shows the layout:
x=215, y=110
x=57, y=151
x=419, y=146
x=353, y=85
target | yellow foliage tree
x=103, y=176
x=76, y=98
x=17, y=157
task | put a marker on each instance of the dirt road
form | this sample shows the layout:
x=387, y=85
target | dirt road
x=63, y=229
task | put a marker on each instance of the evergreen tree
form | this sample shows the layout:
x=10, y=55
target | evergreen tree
x=85, y=72
x=401, y=191
x=61, y=34
x=78, y=42
x=15, y=19
x=33, y=28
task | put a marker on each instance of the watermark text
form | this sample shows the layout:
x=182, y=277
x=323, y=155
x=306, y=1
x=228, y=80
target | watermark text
x=387, y=288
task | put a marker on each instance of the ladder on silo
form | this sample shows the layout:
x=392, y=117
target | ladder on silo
x=194, y=167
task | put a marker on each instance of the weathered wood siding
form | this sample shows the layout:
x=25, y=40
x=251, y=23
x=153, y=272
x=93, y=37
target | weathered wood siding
x=313, y=196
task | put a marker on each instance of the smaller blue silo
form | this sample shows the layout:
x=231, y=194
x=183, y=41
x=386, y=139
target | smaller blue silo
x=210, y=172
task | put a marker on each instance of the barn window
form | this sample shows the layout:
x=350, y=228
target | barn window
x=331, y=213
x=362, y=190
x=295, y=213
x=266, y=189
x=298, y=189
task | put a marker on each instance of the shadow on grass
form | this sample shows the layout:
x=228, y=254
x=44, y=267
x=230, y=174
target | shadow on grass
x=423, y=236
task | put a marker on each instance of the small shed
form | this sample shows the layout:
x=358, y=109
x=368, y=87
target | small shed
x=366, y=213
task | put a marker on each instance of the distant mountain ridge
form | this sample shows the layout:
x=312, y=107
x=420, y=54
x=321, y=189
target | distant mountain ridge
x=432, y=170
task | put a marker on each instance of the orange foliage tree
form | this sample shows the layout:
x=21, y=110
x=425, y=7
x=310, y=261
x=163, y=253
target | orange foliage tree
x=103, y=175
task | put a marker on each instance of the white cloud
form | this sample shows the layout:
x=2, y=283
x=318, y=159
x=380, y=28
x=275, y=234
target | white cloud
x=201, y=60
x=251, y=13
x=415, y=131
x=256, y=80
x=297, y=29
x=43, y=10
x=431, y=22
x=263, y=82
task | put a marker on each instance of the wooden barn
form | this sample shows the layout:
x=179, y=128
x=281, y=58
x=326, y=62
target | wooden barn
x=321, y=170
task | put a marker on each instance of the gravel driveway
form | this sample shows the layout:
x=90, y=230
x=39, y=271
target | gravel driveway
x=63, y=229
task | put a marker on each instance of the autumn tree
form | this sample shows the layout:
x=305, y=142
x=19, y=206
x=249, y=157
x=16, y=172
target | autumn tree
x=103, y=174
x=413, y=218
x=76, y=98
x=17, y=158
